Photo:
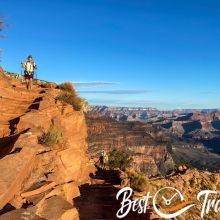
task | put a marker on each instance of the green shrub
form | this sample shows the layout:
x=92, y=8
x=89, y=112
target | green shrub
x=138, y=182
x=119, y=159
x=71, y=99
x=68, y=87
x=51, y=137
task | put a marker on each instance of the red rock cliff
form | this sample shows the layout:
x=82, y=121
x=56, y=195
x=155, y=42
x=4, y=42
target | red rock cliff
x=37, y=179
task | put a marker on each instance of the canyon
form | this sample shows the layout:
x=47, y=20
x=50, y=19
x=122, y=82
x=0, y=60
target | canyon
x=62, y=181
x=149, y=142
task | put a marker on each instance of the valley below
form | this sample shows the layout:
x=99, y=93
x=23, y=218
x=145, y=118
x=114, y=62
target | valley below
x=191, y=138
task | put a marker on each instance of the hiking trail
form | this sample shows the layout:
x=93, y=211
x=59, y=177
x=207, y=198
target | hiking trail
x=98, y=200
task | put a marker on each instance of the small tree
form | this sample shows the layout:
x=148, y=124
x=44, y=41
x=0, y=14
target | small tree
x=119, y=159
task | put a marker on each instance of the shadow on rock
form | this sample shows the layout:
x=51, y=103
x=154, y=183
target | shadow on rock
x=98, y=200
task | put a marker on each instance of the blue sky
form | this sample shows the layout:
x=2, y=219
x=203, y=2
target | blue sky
x=157, y=53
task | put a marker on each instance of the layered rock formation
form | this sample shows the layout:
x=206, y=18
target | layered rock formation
x=202, y=126
x=149, y=144
x=38, y=180
x=141, y=141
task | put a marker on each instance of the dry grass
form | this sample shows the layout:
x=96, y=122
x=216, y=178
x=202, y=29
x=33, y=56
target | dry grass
x=71, y=99
x=68, y=87
x=51, y=137
x=70, y=96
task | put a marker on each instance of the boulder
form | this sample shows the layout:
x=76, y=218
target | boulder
x=53, y=208
x=15, y=169
x=24, y=214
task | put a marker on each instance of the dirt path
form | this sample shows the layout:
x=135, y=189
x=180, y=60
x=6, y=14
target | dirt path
x=98, y=200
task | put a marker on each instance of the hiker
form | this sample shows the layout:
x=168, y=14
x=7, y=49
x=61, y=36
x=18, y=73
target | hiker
x=29, y=67
x=182, y=169
x=103, y=159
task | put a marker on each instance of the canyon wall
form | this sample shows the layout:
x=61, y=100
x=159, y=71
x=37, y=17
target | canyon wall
x=37, y=179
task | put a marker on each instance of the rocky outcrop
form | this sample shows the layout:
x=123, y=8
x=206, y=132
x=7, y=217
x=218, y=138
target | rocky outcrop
x=177, y=128
x=39, y=178
x=205, y=120
x=189, y=184
x=109, y=133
